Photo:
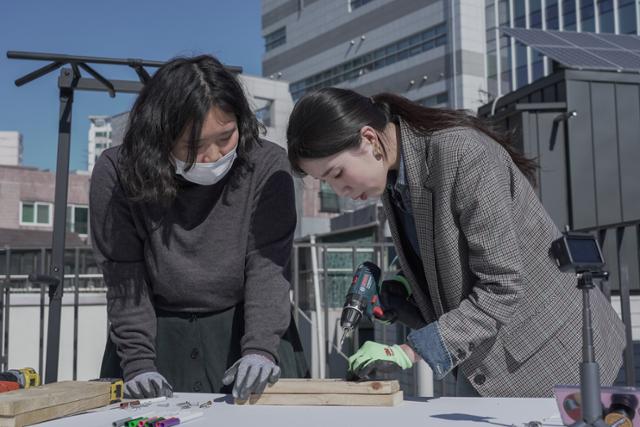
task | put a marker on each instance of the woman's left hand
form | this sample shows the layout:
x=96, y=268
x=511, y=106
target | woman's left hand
x=373, y=359
x=251, y=374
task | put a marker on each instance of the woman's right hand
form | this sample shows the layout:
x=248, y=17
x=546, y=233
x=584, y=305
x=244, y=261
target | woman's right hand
x=147, y=385
x=396, y=303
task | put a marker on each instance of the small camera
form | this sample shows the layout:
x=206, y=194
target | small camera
x=578, y=252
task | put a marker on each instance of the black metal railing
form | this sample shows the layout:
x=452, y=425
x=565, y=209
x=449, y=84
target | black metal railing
x=318, y=270
x=621, y=249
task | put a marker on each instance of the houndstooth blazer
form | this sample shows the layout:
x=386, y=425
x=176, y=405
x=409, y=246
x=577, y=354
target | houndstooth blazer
x=509, y=318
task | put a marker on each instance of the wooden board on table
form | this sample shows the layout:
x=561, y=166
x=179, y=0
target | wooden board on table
x=331, y=386
x=326, y=399
x=50, y=401
x=53, y=412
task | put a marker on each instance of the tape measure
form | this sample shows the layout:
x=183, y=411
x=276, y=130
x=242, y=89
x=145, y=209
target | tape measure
x=117, y=388
x=27, y=377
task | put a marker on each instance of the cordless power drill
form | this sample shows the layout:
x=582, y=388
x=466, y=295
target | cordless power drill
x=362, y=298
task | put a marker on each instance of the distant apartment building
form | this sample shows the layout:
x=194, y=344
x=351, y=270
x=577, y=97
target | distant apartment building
x=99, y=138
x=270, y=100
x=430, y=51
x=27, y=195
x=372, y=46
x=10, y=148
x=439, y=53
x=511, y=64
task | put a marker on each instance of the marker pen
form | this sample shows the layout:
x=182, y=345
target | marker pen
x=123, y=421
x=179, y=420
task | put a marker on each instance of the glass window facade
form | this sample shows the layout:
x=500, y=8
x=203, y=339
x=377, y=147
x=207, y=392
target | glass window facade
x=627, y=15
x=264, y=111
x=587, y=16
x=593, y=15
x=374, y=60
x=521, y=65
x=505, y=47
x=551, y=9
x=275, y=39
x=357, y=3
x=438, y=100
x=605, y=12
x=537, y=65
x=492, y=57
x=569, y=14
x=329, y=201
x=519, y=14
x=535, y=14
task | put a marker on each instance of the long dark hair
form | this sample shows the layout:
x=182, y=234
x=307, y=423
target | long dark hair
x=329, y=120
x=178, y=97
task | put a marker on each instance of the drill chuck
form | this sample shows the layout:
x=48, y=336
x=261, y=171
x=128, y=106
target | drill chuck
x=351, y=315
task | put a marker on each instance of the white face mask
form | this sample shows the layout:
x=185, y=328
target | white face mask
x=206, y=173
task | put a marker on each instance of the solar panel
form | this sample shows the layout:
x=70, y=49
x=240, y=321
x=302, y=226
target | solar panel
x=584, y=40
x=577, y=58
x=530, y=37
x=622, y=40
x=583, y=50
x=625, y=59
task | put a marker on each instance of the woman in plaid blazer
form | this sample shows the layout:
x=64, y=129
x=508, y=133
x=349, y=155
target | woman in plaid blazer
x=479, y=288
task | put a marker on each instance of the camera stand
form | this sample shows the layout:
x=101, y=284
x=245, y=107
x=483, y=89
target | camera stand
x=591, y=405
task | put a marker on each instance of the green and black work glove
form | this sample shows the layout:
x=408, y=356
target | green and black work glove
x=373, y=360
x=395, y=299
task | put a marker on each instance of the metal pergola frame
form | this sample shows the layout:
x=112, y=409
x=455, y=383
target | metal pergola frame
x=70, y=80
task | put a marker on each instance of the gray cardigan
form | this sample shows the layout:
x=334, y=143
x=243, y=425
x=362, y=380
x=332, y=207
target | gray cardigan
x=217, y=246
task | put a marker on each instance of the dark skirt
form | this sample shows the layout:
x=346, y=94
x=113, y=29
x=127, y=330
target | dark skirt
x=194, y=350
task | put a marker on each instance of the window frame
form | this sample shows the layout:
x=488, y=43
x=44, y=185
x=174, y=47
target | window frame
x=271, y=42
x=35, y=222
x=71, y=219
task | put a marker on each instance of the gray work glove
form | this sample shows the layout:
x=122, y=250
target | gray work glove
x=146, y=385
x=251, y=373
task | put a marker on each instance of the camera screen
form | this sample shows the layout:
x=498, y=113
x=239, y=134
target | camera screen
x=584, y=250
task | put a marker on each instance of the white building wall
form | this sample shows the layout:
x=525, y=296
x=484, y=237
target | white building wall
x=316, y=19
x=470, y=38
x=10, y=148
x=345, y=51
x=97, y=144
x=24, y=334
x=259, y=91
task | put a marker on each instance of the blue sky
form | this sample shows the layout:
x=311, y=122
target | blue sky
x=147, y=29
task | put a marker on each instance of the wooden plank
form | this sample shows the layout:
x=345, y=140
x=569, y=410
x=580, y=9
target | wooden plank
x=326, y=399
x=331, y=386
x=53, y=412
x=49, y=395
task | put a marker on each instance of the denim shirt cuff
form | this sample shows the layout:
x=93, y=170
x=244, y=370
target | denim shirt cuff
x=427, y=342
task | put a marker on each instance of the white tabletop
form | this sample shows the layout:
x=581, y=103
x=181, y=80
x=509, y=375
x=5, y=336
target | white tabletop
x=446, y=411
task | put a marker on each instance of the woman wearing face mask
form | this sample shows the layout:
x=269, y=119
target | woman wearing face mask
x=478, y=287
x=192, y=222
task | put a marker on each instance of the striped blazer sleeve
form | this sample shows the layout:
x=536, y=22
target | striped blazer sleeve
x=482, y=192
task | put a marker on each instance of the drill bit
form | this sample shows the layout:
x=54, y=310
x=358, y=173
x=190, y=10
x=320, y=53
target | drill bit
x=345, y=332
